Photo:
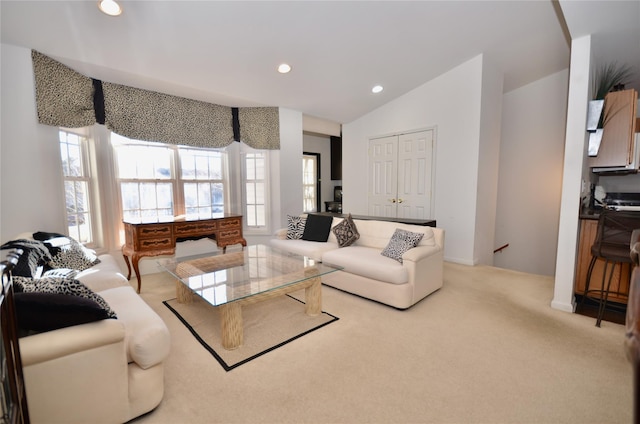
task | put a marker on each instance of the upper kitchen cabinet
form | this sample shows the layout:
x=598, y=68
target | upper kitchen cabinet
x=618, y=150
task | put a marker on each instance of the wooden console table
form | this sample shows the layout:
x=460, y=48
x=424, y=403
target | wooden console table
x=159, y=237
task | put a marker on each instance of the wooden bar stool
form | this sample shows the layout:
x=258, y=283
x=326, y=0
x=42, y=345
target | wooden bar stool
x=612, y=243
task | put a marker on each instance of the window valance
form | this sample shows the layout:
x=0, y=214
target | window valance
x=67, y=98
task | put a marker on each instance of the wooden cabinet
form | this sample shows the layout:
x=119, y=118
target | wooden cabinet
x=620, y=280
x=617, y=145
x=159, y=238
x=336, y=158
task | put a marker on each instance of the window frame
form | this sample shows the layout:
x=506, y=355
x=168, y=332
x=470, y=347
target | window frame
x=255, y=229
x=87, y=154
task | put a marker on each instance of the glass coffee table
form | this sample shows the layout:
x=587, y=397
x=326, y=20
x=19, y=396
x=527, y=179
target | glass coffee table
x=231, y=280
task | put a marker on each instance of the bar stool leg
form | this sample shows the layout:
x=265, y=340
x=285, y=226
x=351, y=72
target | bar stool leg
x=605, y=293
x=588, y=282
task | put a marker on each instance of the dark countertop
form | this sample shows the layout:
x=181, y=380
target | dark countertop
x=423, y=222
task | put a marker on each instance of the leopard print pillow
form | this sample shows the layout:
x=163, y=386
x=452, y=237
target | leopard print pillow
x=401, y=241
x=56, y=285
x=73, y=255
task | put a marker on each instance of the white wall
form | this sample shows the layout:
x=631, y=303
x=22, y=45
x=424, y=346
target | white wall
x=573, y=172
x=451, y=104
x=291, y=200
x=530, y=183
x=31, y=196
x=488, y=162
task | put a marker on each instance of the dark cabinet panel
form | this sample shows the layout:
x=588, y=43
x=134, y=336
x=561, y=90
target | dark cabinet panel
x=336, y=158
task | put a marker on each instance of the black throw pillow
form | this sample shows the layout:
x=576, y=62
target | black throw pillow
x=40, y=312
x=317, y=228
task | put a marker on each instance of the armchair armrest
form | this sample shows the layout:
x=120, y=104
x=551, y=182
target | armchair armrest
x=70, y=340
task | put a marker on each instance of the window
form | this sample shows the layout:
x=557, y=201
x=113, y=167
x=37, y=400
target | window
x=202, y=181
x=77, y=185
x=255, y=188
x=158, y=181
x=310, y=182
x=146, y=179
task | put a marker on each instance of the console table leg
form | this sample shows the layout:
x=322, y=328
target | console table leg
x=126, y=261
x=313, y=297
x=231, y=325
x=135, y=261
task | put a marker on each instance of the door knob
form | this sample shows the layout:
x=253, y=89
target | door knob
x=400, y=200
x=392, y=200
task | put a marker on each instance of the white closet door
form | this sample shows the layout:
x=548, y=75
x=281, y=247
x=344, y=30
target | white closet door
x=383, y=176
x=415, y=152
x=401, y=175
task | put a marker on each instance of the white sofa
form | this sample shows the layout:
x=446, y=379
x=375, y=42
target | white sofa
x=107, y=371
x=367, y=273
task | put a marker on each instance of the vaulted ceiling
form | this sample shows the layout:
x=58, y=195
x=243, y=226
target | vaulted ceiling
x=226, y=52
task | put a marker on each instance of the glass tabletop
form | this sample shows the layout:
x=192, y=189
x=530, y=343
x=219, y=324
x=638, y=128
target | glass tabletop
x=221, y=278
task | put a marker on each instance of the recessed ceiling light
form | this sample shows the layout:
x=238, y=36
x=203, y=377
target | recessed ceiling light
x=377, y=89
x=110, y=7
x=284, y=68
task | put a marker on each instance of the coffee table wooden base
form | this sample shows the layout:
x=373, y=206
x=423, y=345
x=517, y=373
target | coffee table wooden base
x=231, y=325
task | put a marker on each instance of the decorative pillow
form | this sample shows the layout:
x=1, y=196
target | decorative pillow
x=34, y=255
x=346, y=232
x=60, y=273
x=400, y=242
x=67, y=252
x=317, y=228
x=39, y=312
x=295, y=227
x=65, y=286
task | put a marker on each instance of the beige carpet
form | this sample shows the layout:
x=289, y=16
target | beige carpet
x=267, y=326
x=486, y=348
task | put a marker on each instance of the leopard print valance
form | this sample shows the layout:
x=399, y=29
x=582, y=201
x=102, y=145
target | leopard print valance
x=66, y=98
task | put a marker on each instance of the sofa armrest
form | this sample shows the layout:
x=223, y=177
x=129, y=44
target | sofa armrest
x=419, y=253
x=77, y=374
x=70, y=340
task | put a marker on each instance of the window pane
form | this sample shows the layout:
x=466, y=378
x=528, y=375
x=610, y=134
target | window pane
x=148, y=199
x=251, y=215
x=187, y=164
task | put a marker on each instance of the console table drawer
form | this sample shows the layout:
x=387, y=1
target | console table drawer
x=154, y=243
x=232, y=223
x=154, y=230
x=233, y=233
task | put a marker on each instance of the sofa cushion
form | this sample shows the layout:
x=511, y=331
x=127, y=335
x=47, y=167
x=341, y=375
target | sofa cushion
x=40, y=312
x=401, y=241
x=295, y=227
x=367, y=262
x=311, y=249
x=147, y=338
x=346, y=232
x=103, y=276
x=317, y=228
